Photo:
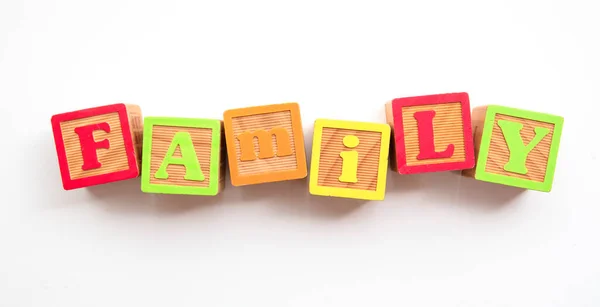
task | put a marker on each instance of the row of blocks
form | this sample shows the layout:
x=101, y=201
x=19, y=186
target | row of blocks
x=262, y=144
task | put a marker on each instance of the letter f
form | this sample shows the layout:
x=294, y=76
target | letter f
x=89, y=146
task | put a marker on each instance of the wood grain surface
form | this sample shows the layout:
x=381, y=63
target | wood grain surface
x=389, y=117
x=537, y=160
x=265, y=121
x=162, y=136
x=447, y=129
x=222, y=160
x=330, y=162
x=134, y=113
x=112, y=159
x=477, y=121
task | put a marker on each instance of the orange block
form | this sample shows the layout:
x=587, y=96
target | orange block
x=265, y=144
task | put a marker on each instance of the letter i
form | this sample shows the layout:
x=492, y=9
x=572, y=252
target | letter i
x=349, y=160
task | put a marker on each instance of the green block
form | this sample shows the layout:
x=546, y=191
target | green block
x=183, y=156
x=529, y=137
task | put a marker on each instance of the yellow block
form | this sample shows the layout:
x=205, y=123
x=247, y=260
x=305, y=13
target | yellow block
x=358, y=150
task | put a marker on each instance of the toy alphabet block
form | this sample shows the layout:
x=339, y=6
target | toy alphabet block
x=98, y=145
x=183, y=156
x=515, y=147
x=431, y=133
x=265, y=144
x=349, y=159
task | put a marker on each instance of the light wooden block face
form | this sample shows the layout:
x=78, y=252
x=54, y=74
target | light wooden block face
x=183, y=156
x=115, y=157
x=98, y=145
x=431, y=133
x=265, y=144
x=349, y=159
x=516, y=147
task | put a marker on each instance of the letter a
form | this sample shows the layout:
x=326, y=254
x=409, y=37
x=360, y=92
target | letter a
x=349, y=160
x=517, y=150
x=89, y=146
x=425, y=132
x=188, y=158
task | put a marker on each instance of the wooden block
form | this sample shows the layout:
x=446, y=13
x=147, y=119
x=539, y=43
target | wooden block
x=431, y=133
x=265, y=144
x=349, y=159
x=98, y=145
x=515, y=147
x=183, y=156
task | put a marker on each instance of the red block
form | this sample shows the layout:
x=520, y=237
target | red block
x=431, y=133
x=98, y=145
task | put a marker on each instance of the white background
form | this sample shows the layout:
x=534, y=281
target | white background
x=437, y=240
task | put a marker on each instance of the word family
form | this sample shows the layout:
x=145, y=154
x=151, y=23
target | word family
x=261, y=144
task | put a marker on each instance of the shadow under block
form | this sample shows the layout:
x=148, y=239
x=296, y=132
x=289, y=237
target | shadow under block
x=98, y=145
x=349, y=159
x=265, y=144
x=431, y=133
x=515, y=147
x=183, y=156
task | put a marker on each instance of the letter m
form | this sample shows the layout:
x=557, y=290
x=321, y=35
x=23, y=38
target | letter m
x=265, y=144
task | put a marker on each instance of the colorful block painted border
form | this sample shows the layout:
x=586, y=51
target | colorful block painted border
x=488, y=126
x=131, y=172
x=213, y=185
x=298, y=173
x=379, y=192
x=399, y=103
